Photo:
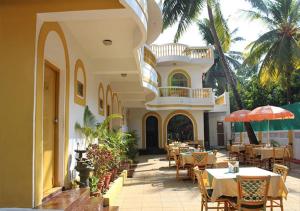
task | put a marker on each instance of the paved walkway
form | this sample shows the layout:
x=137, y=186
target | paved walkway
x=154, y=187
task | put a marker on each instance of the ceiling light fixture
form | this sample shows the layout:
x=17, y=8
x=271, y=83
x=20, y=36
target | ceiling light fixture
x=107, y=42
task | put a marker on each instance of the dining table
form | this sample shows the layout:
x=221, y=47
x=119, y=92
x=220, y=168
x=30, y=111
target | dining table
x=237, y=148
x=224, y=183
x=267, y=152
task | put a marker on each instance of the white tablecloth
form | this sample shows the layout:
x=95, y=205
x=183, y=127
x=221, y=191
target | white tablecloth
x=224, y=183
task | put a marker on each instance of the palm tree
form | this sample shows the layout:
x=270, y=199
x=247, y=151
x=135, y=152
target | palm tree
x=278, y=50
x=215, y=76
x=186, y=12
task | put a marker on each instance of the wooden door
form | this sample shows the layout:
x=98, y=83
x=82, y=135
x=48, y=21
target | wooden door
x=50, y=127
x=220, y=133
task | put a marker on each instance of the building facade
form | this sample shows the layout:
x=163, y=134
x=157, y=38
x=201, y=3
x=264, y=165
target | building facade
x=59, y=56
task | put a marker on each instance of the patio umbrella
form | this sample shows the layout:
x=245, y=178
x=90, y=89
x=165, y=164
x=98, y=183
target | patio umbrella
x=269, y=113
x=238, y=116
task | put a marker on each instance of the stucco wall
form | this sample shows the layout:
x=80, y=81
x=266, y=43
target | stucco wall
x=135, y=122
x=195, y=73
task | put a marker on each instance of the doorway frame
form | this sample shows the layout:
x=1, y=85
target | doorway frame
x=54, y=68
x=160, y=144
x=37, y=185
x=175, y=113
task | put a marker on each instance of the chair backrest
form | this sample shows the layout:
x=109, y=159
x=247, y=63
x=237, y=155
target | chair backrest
x=184, y=149
x=222, y=164
x=201, y=183
x=200, y=159
x=282, y=170
x=215, y=152
x=278, y=152
x=252, y=190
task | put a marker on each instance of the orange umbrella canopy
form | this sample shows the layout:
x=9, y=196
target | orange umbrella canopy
x=269, y=113
x=238, y=116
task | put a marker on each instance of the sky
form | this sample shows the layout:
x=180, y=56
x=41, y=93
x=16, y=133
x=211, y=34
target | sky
x=249, y=30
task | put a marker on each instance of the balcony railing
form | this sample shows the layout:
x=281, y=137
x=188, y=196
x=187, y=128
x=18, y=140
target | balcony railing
x=149, y=57
x=185, y=92
x=220, y=100
x=175, y=49
x=144, y=7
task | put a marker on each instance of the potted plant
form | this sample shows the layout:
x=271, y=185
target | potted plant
x=93, y=183
x=98, y=158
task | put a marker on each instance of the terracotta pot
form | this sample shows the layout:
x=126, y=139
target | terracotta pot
x=107, y=180
x=95, y=194
x=101, y=184
x=113, y=174
x=130, y=173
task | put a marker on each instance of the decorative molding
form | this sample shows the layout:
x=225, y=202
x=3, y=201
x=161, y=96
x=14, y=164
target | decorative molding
x=80, y=100
x=108, y=92
x=159, y=119
x=101, y=97
x=46, y=28
x=175, y=113
x=184, y=72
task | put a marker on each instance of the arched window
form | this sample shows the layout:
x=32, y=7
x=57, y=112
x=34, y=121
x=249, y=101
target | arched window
x=79, y=83
x=179, y=78
x=108, y=100
x=101, y=102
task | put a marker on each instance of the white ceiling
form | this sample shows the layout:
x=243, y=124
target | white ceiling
x=90, y=34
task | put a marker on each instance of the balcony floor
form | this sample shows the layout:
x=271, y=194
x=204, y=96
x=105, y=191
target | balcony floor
x=154, y=187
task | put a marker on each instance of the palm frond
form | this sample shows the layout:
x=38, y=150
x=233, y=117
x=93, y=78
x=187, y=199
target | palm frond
x=260, y=5
x=89, y=120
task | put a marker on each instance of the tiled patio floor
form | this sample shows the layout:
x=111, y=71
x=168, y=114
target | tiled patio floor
x=154, y=187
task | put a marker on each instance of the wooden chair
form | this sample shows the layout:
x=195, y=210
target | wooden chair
x=170, y=154
x=206, y=193
x=252, y=192
x=223, y=164
x=179, y=167
x=233, y=154
x=277, y=201
x=199, y=160
x=250, y=157
x=279, y=154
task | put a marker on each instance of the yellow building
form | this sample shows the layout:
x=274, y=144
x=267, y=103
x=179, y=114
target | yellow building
x=57, y=56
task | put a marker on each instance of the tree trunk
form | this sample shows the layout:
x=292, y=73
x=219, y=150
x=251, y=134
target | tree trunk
x=228, y=74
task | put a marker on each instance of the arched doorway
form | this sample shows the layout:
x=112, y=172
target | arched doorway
x=152, y=138
x=180, y=128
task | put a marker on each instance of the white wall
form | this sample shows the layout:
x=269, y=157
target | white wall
x=214, y=118
x=194, y=71
x=135, y=121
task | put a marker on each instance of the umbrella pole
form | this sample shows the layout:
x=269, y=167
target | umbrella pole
x=268, y=132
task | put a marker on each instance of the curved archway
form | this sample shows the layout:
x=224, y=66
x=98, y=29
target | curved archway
x=144, y=129
x=101, y=102
x=116, y=123
x=184, y=114
x=179, y=78
x=180, y=128
x=80, y=83
x=46, y=28
x=108, y=101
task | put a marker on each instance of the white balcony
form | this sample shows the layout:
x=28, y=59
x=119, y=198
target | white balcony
x=183, y=98
x=149, y=74
x=175, y=52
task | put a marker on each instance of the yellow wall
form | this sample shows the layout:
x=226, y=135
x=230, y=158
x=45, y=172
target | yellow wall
x=17, y=59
